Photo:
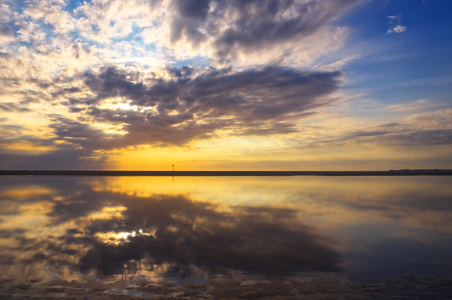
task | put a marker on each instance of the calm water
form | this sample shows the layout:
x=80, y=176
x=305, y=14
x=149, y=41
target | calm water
x=193, y=228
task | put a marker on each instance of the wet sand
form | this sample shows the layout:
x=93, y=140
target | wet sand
x=325, y=287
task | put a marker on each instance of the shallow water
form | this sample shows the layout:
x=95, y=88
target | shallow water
x=195, y=228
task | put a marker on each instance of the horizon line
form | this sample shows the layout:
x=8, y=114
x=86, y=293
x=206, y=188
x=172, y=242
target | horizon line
x=401, y=172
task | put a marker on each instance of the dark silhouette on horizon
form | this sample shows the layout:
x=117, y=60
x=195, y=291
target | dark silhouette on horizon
x=404, y=172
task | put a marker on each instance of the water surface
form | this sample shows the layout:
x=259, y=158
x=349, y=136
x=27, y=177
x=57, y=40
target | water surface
x=196, y=228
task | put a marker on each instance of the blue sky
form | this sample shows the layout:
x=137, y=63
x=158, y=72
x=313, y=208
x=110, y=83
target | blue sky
x=225, y=84
x=398, y=67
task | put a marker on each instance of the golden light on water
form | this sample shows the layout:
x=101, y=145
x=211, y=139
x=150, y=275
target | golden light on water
x=154, y=227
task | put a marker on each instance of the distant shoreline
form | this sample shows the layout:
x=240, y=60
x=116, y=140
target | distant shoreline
x=230, y=173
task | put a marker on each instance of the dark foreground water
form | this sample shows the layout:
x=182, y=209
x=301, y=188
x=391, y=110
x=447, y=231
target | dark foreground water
x=226, y=237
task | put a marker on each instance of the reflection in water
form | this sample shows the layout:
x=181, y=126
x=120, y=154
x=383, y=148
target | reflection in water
x=177, y=232
x=361, y=227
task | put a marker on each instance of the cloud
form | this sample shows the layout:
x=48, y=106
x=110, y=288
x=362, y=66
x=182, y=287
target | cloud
x=31, y=32
x=5, y=13
x=12, y=107
x=397, y=29
x=62, y=21
x=138, y=103
x=394, y=21
x=70, y=145
x=339, y=64
x=439, y=119
x=6, y=34
x=62, y=158
x=229, y=29
x=195, y=103
x=9, y=132
x=79, y=135
x=423, y=130
x=276, y=32
x=413, y=106
x=102, y=21
x=265, y=31
x=190, y=104
x=108, y=69
x=5, y=30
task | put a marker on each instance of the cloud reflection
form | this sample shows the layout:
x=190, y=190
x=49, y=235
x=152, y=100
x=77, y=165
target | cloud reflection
x=72, y=227
x=110, y=233
x=188, y=233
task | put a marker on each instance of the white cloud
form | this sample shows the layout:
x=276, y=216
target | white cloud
x=31, y=32
x=115, y=19
x=397, y=29
x=61, y=20
x=394, y=21
x=337, y=65
x=412, y=106
x=5, y=13
x=437, y=120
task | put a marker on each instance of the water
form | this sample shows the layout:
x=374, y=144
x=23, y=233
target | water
x=193, y=229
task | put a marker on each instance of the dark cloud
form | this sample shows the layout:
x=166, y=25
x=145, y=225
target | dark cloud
x=256, y=24
x=12, y=107
x=419, y=138
x=194, y=104
x=72, y=146
x=404, y=136
x=62, y=158
x=192, y=15
x=74, y=109
x=390, y=124
x=5, y=30
x=78, y=49
x=80, y=135
x=65, y=91
x=9, y=134
x=11, y=233
x=421, y=130
x=8, y=131
x=192, y=8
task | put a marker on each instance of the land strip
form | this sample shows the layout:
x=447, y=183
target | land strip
x=228, y=173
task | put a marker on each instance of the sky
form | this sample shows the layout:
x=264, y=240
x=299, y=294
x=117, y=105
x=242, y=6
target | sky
x=225, y=84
